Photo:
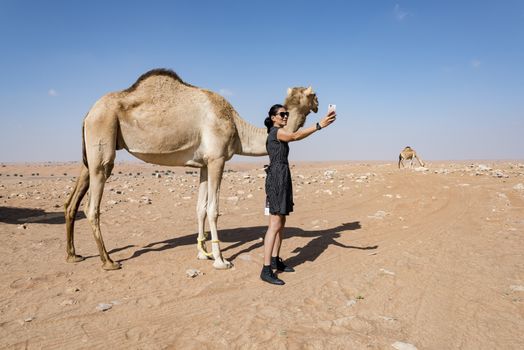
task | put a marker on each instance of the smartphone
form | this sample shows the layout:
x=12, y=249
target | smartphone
x=332, y=107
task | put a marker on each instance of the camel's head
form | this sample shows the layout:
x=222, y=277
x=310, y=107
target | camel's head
x=300, y=102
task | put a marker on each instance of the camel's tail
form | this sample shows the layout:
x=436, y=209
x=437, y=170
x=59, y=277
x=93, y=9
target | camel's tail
x=84, y=153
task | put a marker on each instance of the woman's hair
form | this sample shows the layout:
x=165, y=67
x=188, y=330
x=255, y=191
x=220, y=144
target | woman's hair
x=272, y=111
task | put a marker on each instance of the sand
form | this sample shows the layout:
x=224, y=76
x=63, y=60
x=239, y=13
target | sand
x=385, y=259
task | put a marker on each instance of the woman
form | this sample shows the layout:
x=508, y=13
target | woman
x=279, y=192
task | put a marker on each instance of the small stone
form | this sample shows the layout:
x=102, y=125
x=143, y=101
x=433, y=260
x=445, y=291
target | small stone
x=67, y=302
x=403, y=346
x=29, y=319
x=387, y=272
x=351, y=302
x=192, y=273
x=516, y=288
x=22, y=227
x=104, y=307
x=518, y=187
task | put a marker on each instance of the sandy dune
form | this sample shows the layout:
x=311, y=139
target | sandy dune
x=384, y=259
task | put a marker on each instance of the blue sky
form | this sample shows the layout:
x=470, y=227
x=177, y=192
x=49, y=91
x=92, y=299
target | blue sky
x=446, y=77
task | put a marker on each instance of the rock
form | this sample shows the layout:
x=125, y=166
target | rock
x=351, y=302
x=29, y=319
x=482, y=167
x=104, y=307
x=516, y=288
x=72, y=290
x=22, y=227
x=387, y=272
x=499, y=174
x=112, y=202
x=329, y=173
x=387, y=318
x=518, y=187
x=232, y=199
x=403, y=346
x=67, y=302
x=378, y=215
x=192, y=273
x=420, y=169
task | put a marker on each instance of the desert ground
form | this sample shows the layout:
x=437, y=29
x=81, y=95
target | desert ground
x=423, y=258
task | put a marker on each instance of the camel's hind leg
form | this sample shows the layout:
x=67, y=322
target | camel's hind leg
x=215, y=170
x=71, y=208
x=100, y=136
x=97, y=181
x=201, y=215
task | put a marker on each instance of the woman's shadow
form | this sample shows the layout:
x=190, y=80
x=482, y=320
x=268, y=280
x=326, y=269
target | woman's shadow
x=322, y=239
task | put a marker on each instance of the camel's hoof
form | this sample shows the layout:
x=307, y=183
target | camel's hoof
x=111, y=265
x=222, y=265
x=74, y=258
x=202, y=256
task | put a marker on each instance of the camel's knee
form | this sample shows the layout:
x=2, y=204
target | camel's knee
x=201, y=210
x=212, y=214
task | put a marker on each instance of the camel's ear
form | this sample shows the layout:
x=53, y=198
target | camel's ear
x=289, y=90
x=309, y=91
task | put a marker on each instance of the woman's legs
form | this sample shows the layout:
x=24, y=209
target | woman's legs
x=278, y=238
x=273, y=238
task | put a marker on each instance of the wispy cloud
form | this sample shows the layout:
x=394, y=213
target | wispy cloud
x=225, y=92
x=52, y=92
x=399, y=13
x=475, y=64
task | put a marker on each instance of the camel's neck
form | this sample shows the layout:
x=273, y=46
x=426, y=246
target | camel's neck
x=252, y=140
x=297, y=117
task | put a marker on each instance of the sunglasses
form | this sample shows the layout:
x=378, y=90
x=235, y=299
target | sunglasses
x=283, y=114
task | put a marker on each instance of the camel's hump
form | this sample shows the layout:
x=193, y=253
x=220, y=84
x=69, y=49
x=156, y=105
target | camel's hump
x=154, y=73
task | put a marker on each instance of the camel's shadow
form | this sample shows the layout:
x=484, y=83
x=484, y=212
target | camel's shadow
x=321, y=240
x=14, y=215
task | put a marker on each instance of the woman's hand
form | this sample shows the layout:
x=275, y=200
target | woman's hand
x=328, y=119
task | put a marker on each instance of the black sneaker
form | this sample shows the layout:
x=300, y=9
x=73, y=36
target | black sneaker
x=268, y=276
x=278, y=264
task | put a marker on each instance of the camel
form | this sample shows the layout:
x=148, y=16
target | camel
x=163, y=120
x=408, y=153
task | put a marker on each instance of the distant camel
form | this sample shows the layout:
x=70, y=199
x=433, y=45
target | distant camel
x=408, y=153
x=162, y=120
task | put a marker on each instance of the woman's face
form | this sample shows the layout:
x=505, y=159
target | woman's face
x=280, y=119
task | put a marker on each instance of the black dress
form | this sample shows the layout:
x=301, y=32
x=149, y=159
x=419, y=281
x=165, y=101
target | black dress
x=279, y=190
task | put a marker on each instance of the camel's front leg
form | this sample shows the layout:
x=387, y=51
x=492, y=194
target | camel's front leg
x=201, y=216
x=215, y=170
